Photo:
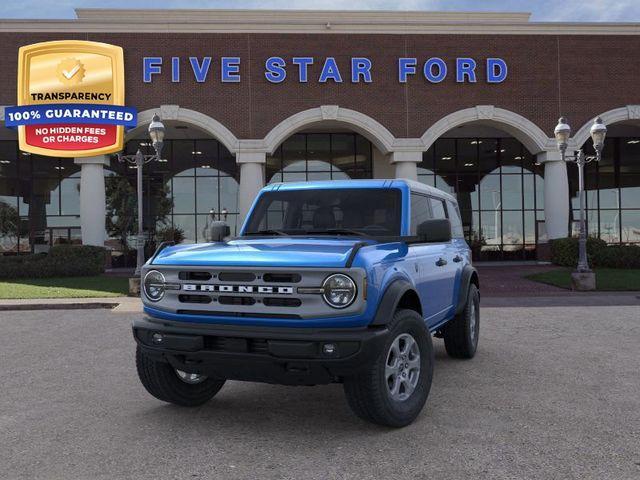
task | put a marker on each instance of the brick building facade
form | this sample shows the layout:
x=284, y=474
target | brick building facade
x=378, y=124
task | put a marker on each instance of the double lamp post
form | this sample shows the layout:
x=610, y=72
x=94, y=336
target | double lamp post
x=156, y=134
x=583, y=278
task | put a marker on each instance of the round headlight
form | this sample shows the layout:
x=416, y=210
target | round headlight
x=154, y=285
x=339, y=290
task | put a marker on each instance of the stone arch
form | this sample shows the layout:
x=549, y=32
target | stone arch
x=373, y=130
x=180, y=114
x=622, y=114
x=527, y=132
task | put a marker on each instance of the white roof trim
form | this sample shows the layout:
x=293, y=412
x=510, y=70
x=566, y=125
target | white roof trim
x=311, y=21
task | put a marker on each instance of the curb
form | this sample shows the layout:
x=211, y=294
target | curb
x=57, y=306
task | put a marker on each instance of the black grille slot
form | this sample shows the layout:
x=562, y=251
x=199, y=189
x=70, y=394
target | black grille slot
x=194, y=298
x=209, y=313
x=282, y=302
x=282, y=277
x=226, y=300
x=258, y=345
x=233, y=344
x=214, y=343
x=197, y=276
x=236, y=276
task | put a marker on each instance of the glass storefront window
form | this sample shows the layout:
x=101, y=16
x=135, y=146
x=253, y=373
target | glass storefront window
x=320, y=156
x=612, y=191
x=512, y=192
x=630, y=224
x=206, y=195
x=499, y=190
x=630, y=190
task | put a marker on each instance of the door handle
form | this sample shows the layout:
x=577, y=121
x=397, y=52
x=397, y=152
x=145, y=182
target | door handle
x=457, y=258
x=441, y=262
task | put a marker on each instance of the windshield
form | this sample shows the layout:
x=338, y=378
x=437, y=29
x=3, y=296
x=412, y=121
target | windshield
x=355, y=211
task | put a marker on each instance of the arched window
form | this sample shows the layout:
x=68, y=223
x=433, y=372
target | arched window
x=320, y=156
x=499, y=190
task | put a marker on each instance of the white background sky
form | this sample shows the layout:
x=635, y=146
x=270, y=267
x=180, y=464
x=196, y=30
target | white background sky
x=542, y=10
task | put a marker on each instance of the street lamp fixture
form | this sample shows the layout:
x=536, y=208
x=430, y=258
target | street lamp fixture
x=156, y=133
x=562, y=133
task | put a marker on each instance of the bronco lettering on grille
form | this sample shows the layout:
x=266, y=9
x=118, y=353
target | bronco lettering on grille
x=261, y=289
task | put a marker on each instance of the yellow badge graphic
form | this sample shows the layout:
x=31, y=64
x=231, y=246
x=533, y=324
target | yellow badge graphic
x=71, y=99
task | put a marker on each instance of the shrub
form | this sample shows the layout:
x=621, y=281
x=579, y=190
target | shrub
x=61, y=261
x=618, y=256
x=564, y=252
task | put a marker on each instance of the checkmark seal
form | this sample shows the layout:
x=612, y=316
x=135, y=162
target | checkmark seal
x=70, y=71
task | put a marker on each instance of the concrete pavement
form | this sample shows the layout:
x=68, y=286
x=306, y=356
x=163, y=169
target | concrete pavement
x=553, y=393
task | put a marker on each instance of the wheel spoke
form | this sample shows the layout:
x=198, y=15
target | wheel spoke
x=408, y=388
x=391, y=370
x=414, y=363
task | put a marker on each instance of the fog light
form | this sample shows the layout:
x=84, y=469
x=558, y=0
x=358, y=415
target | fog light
x=329, y=348
x=157, y=338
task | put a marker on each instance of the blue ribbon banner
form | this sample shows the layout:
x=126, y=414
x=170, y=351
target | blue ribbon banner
x=70, y=113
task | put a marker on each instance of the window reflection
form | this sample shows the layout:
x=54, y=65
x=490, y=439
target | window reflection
x=193, y=178
x=612, y=191
x=499, y=191
x=320, y=156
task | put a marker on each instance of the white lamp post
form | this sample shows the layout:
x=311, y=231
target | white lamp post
x=598, y=132
x=156, y=133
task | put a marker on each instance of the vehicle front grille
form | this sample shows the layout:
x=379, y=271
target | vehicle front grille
x=247, y=292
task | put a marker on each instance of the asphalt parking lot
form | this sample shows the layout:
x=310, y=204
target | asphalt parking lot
x=554, y=392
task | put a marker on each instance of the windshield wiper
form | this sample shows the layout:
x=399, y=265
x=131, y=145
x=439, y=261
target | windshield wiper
x=339, y=231
x=268, y=232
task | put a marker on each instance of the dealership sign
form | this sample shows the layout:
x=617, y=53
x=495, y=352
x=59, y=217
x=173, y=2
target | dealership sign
x=323, y=70
x=70, y=99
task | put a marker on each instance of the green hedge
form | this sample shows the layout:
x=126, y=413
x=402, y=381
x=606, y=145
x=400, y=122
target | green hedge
x=61, y=261
x=564, y=252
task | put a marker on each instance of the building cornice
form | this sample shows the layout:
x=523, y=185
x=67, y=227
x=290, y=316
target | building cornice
x=318, y=22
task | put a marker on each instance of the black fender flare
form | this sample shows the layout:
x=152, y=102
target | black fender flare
x=468, y=274
x=389, y=302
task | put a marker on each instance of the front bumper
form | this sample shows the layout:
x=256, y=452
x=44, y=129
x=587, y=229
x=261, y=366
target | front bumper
x=288, y=356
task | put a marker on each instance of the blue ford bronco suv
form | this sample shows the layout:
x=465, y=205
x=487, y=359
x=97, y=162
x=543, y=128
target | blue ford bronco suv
x=331, y=281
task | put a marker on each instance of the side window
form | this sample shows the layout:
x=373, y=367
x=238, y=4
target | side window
x=419, y=211
x=456, y=221
x=437, y=206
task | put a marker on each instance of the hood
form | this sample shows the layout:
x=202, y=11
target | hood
x=259, y=252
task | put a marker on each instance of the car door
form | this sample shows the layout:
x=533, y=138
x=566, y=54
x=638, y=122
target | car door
x=461, y=253
x=447, y=264
x=431, y=278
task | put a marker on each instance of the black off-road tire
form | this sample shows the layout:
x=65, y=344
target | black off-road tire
x=161, y=380
x=461, y=334
x=368, y=394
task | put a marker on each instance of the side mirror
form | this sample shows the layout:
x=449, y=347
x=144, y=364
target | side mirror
x=219, y=232
x=435, y=230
